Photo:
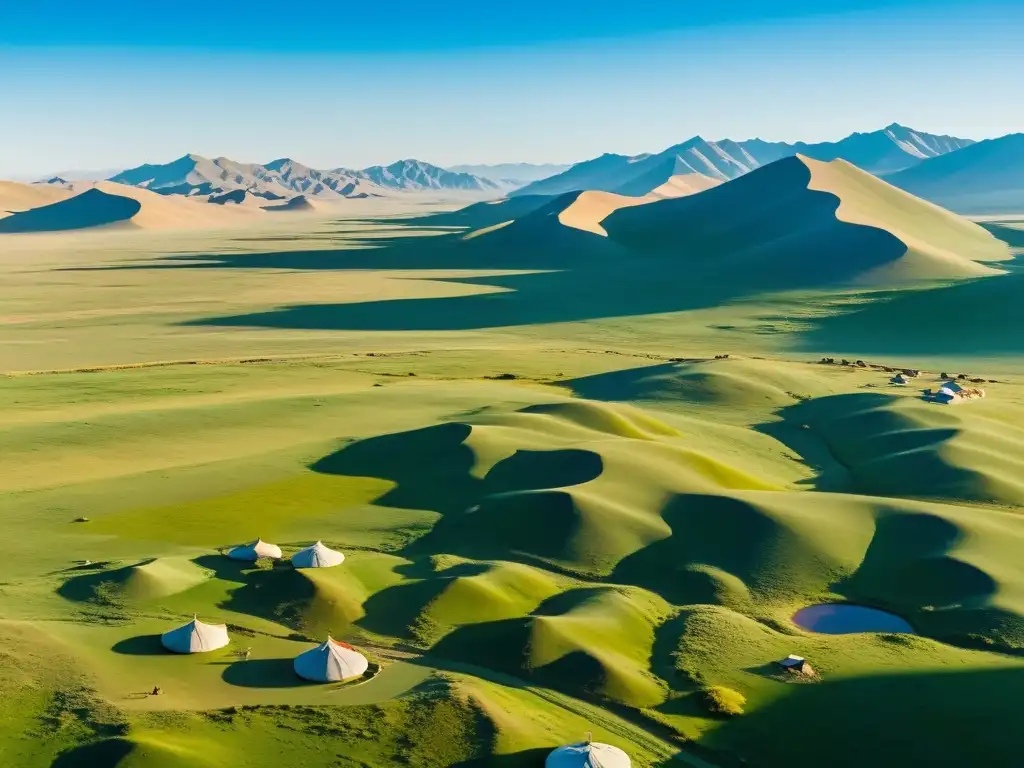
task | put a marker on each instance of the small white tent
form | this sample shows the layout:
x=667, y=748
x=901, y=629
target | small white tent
x=255, y=550
x=588, y=754
x=195, y=637
x=317, y=556
x=330, y=662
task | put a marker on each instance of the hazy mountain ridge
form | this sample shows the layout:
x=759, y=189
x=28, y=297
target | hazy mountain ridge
x=516, y=173
x=986, y=177
x=414, y=174
x=888, y=150
x=285, y=178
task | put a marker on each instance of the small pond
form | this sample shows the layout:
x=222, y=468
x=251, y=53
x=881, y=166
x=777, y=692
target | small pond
x=845, y=618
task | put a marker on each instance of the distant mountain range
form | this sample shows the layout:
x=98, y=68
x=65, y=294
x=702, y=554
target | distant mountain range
x=285, y=178
x=516, y=173
x=960, y=174
x=987, y=177
x=886, y=151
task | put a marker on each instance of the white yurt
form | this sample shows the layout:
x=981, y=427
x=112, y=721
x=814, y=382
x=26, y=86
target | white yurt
x=255, y=550
x=588, y=754
x=195, y=637
x=330, y=662
x=317, y=556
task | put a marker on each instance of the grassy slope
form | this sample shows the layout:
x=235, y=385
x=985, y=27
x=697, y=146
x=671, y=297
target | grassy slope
x=670, y=548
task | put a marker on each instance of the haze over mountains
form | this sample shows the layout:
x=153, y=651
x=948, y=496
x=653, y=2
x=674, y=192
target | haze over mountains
x=285, y=178
x=889, y=150
x=517, y=173
x=987, y=177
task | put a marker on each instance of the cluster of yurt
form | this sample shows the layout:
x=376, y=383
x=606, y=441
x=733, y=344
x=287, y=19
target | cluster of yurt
x=587, y=754
x=317, y=555
x=330, y=662
x=951, y=392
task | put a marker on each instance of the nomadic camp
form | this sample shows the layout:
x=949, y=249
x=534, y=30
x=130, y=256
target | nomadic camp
x=254, y=551
x=798, y=665
x=330, y=662
x=196, y=637
x=317, y=556
x=587, y=754
x=951, y=392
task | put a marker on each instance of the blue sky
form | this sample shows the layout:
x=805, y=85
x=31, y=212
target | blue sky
x=108, y=84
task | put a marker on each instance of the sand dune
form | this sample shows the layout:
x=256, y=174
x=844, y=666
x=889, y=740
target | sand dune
x=592, y=207
x=683, y=184
x=16, y=197
x=107, y=204
x=299, y=203
x=92, y=208
x=804, y=222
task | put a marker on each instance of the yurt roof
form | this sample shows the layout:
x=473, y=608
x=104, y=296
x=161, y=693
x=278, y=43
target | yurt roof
x=331, y=661
x=196, y=637
x=318, y=555
x=255, y=550
x=588, y=754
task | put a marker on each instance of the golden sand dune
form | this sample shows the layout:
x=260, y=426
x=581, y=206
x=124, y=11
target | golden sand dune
x=683, y=184
x=16, y=197
x=174, y=212
x=805, y=222
x=107, y=203
x=592, y=207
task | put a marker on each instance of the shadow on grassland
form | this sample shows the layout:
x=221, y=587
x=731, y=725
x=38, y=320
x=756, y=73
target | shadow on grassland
x=761, y=233
x=984, y=316
x=935, y=719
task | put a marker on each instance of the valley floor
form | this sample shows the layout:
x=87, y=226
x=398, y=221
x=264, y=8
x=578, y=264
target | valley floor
x=560, y=512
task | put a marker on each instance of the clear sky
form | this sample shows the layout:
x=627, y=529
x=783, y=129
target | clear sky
x=112, y=83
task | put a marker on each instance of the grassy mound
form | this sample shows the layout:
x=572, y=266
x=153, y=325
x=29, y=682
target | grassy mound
x=148, y=580
x=903, y=446
x=148, y=751
x=730, y=382
x=595, y=641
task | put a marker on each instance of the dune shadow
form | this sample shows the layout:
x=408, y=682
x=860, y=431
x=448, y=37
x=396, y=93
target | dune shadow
x=990, y=321
x=141, y=645
x=263, y=673
x=92, y=208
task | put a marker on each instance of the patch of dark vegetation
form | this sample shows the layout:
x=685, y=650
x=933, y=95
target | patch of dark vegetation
x=100, y=754
x=78, y=714
x=503, y=377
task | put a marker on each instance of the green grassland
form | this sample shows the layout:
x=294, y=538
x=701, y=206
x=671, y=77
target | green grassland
x=566, y=518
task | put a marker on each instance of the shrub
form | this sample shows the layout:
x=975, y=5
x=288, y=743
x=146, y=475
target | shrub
x=720, y=700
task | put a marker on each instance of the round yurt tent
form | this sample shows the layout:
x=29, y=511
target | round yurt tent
x=195, y=637
x=587, y=754
x=330, y=662
x=317, y=556
x=255, y=550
